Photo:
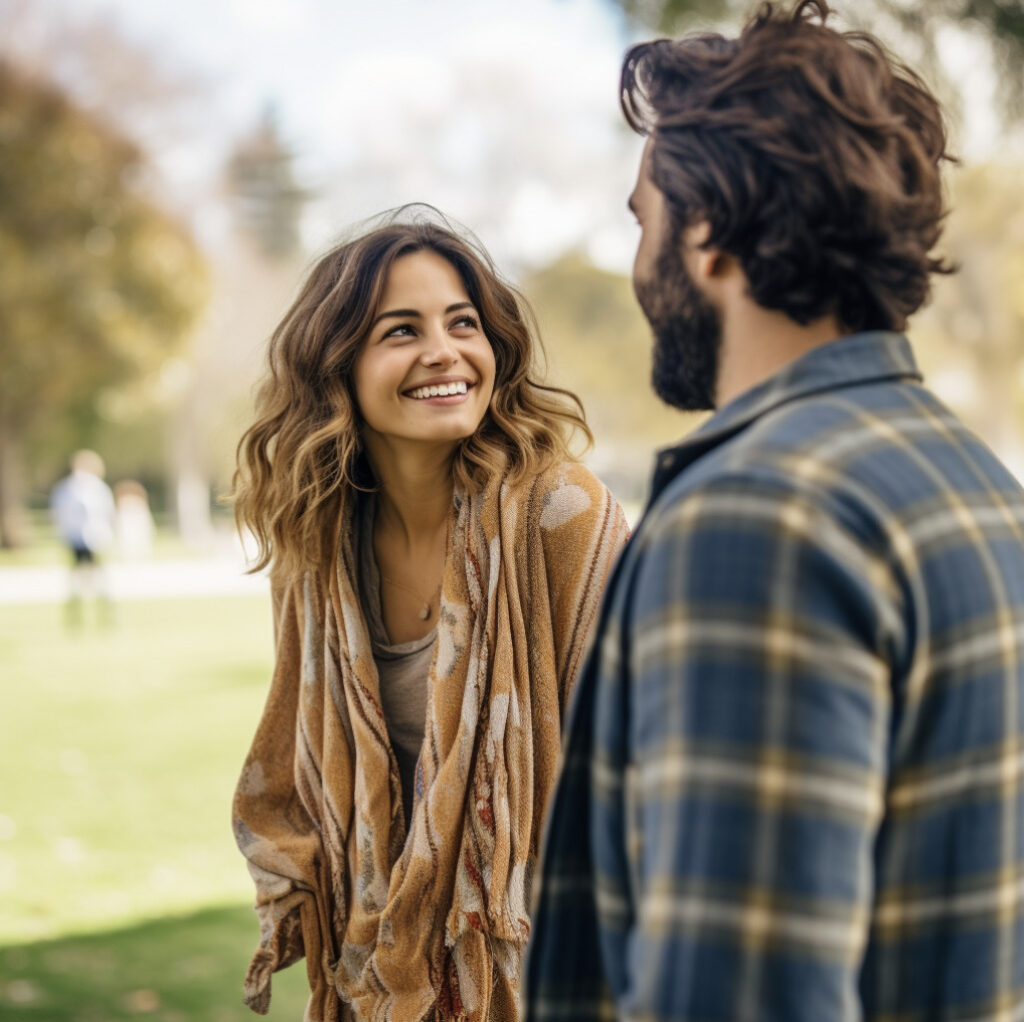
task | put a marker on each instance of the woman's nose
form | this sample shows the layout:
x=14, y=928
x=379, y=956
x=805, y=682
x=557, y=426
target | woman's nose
x=439, y=349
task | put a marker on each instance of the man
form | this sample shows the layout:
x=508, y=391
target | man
x=793, y=786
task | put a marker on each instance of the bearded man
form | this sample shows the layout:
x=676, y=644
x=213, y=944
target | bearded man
x=794, y=781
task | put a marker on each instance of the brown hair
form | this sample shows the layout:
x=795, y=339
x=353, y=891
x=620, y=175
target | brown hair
x=301, y=462
x=813, y=155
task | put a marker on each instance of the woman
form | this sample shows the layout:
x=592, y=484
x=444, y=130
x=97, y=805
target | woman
x=437, y=559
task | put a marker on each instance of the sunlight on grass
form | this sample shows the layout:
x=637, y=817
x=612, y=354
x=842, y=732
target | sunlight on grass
x=119, y=750
x=126, y=742
x=44, y=548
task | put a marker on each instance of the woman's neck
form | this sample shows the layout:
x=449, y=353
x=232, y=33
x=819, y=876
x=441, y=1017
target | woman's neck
x=415, y=495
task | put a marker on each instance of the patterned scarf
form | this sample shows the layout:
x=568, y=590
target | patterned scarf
x=432, y=925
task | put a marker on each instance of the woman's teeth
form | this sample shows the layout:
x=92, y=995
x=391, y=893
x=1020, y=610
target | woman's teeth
x=439, y=390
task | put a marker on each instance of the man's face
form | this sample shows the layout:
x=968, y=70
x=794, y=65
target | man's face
x=687, y=327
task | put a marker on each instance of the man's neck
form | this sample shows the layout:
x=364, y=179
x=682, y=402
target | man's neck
x=758, y=342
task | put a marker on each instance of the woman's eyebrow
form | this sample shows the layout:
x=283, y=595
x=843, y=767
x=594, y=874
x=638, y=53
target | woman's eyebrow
x=413, y=314
x=397, y=314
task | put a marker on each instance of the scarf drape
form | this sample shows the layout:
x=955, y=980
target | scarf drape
x=433, y=925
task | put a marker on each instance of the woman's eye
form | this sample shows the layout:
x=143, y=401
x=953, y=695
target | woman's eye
x=400, y=331
x=467, y=322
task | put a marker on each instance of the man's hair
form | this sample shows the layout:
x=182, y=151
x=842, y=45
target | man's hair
x=813, y=154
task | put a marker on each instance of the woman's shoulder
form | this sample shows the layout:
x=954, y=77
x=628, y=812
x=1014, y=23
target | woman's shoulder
x=568, y=476
x=577, y=521
x=295, y=582
x=568, y=491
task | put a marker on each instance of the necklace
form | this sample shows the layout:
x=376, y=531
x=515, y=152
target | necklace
x=426, y=608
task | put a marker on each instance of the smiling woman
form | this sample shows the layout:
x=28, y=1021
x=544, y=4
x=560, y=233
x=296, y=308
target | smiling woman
x=426, y=372
x=437, y=560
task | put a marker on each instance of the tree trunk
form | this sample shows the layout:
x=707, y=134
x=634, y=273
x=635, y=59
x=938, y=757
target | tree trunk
x=12, y=489
x=191, y=483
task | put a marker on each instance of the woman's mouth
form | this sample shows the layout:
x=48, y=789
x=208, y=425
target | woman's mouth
x=438, y=390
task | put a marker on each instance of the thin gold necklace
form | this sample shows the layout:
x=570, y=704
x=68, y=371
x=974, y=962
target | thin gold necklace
x=426, y=606
x=426, y=609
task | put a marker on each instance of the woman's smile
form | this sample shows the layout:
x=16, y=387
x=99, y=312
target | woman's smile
x=441, y=391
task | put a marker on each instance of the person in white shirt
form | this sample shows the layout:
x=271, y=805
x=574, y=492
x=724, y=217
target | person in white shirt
x=84, y=512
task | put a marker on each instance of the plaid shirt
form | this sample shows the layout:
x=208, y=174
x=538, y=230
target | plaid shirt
x=793, y=785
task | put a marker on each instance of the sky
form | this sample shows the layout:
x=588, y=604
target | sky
x=504, y=115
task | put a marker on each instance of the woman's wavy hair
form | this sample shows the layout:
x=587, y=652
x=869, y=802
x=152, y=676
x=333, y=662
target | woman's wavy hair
x=813, y=155
x=301, y=463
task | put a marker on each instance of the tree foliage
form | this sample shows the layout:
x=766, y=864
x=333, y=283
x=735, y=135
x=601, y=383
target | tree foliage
x=599, y=346
x=269, y=200
x=970, y=339
x=1001, y=22
x=98, y=287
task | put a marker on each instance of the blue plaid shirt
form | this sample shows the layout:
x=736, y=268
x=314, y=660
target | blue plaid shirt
x=793, y=785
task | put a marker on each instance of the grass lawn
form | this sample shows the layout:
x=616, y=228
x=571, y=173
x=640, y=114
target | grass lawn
x=121, y=892
x=45, y=548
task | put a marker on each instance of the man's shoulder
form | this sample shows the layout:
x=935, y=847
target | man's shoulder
x=892, y=442
x=876, y=458
x=872, y=412
x=807, y=452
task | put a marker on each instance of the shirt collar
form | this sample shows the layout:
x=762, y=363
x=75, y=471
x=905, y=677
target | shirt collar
x=849, y=361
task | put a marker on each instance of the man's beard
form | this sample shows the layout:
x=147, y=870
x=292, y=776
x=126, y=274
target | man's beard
x=687, y=333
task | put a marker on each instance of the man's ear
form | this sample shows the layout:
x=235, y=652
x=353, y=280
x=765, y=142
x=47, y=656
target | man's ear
x=705, y=264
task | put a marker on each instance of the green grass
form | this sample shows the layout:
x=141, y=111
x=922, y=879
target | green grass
x=176, y=969
x=121, y=892
x=45, y=548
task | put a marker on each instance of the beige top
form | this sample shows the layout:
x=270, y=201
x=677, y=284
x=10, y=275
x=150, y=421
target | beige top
x=403, y=669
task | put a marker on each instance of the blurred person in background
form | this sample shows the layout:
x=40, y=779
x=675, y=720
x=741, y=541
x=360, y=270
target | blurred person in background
x=794, y=781
x=82, y=506
x=134, y=520
x=437, y=558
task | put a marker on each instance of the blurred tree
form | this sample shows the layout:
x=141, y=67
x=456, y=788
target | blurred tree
x=98, y=285
x=1001, y=22
x=599, y=345
x=267, y=199
x=140, y=88
x=255, y=263
x=970, y=339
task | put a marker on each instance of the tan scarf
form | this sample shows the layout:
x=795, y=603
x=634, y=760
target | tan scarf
x=433, y=926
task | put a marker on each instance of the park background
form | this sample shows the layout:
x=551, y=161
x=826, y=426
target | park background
x=167, y=173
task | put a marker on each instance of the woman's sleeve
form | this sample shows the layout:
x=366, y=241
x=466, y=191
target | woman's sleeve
x=274, y=831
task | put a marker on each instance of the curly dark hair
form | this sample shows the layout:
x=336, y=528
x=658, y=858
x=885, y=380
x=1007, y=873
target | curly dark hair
x=814, y=156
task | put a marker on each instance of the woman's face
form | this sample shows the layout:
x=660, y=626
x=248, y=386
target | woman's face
x=425, y=373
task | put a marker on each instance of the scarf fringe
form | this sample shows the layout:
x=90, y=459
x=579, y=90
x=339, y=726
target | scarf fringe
x=257, y=980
